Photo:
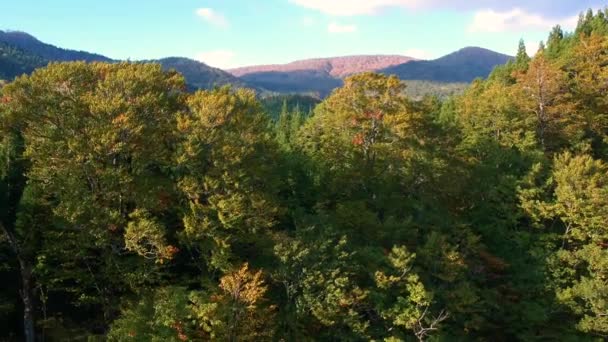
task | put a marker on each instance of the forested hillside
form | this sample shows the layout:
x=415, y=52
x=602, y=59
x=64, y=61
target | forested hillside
x=15, y=62
x=461, y=66
x=442, y=77
x=48, y=52
x=22, y=53
x=199, y=75
x=335, y=66
x=132, y=210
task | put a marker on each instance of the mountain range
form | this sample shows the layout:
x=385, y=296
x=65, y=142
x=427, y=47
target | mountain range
x=22, y=53
x=334, y=66
x=320, y=76
x=317, y=76
x=464, y=65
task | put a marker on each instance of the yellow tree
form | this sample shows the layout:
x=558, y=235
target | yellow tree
x=99, y=140
x=364, y=129
x=542, y=92
x=578, y=207
x=589, y=69
x=226, y=164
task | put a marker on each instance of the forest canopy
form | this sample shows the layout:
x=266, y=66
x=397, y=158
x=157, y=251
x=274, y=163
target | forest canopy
x=133, y=210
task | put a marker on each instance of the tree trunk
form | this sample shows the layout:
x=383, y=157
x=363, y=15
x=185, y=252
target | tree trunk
x=25, y=269
x=28, y=303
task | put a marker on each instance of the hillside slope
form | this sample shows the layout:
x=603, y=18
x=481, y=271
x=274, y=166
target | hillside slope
x=21, y=53
x=15, y=62
x=46, y=51
x=464, y=65
x=336, y=66
x=199, y=75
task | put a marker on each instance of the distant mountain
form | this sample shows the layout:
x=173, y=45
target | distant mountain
x=316, y=77
x=338, y=67
x=199, y=75
x=15, y=62
x=48, y=52
x=464, y=65
x=22, y=53
x=443, y=76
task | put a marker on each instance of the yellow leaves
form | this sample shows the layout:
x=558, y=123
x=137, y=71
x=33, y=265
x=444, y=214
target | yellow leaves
x=543, y=92
x=145, y=236
x=237, y=311
x=121, y=119
x=582, y=195
x=244, y=286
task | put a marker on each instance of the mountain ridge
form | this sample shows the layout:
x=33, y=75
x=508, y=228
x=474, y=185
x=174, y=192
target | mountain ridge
x=27, y=42
x=463, y=65
x=19, y=50
x=318, y=77
x=339, y=66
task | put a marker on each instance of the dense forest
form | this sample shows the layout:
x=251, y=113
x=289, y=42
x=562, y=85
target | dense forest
x=14, y=61
x=134, y=210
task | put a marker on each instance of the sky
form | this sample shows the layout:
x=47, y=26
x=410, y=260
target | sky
x=233, y=33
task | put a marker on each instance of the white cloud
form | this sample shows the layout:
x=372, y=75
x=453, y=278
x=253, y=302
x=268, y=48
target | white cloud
x=532, y=48
x=515, y=20
x=339, y=28
x=223, y=59
x=419, y=54
x=551, y=8
x=212, y=17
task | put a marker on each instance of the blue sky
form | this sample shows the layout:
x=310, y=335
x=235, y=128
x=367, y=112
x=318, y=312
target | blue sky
x=230, y=33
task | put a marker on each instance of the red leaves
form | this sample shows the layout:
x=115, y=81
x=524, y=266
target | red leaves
x=358, y=139
x=493, y=262
x=179, y=327
x=374, y=116
x=172, y=250
x=377, y=115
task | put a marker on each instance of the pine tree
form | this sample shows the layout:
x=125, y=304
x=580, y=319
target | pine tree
x=522, y=59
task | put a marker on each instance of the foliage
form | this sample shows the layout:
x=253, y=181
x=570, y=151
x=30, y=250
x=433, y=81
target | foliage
x=132, y=210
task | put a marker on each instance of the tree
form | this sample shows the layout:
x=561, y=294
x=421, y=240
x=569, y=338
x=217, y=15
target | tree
x=589, y=69
x=555, y=42
x=321, y=296
x=226, y=163
x=522, y=59
x=578, y=206
x=236, y=310
x=12, y=184
x=98, y=139
x=544, y=95
x=411, y=308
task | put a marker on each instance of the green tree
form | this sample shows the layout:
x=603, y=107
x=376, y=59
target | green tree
x=226, y=163
x=99, y=140
x=522, y=59
x=577, y=209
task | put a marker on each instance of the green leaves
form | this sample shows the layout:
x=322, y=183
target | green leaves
x=145, y=236
x=226, y=166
